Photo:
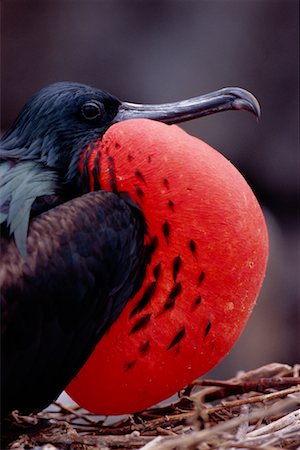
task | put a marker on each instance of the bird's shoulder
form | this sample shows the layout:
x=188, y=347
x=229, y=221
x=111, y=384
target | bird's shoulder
x=76, y=250
x=86, y=259
x=22, y=183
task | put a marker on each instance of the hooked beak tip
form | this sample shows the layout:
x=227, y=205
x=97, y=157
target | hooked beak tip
x=246, y=101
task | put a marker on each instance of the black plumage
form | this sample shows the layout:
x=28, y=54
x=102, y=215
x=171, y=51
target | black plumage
x=70, y=260
x=57, y=305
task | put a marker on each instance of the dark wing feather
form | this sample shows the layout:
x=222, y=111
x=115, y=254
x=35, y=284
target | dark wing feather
x=86, y=258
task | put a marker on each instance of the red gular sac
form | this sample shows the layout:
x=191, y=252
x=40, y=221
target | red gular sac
x=210, y=247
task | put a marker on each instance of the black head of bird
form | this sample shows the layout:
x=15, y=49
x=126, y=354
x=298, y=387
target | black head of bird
x=57, y=123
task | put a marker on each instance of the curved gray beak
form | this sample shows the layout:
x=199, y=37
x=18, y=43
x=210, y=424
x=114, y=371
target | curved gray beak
x=232, y=98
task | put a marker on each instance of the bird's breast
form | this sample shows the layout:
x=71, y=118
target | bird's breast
x=209, y=250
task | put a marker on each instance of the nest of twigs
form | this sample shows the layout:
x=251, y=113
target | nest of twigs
x=255, y=410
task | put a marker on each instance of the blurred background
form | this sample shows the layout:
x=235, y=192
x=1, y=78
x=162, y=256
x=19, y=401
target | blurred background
x=165, y=50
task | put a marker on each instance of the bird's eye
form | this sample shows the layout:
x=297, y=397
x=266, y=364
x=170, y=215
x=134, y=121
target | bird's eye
x=92, y=110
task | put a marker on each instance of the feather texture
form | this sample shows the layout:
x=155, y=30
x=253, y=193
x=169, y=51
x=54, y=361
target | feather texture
x=86, y=258
x=20, y=185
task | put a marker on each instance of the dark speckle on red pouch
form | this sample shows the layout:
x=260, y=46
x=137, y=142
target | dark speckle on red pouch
x=176, y=266
x=149, y=159
x=153, y=245
x=170, y=303
x=139, y=175
x=172, y=296
x=166, y=183
x=192, y=245
x=130, y=365
x=129, y=157
x=139, y=192
x=177, y=338
x=171, y=205
x=145, y=299
x=157, y=271
x=166, y=228
x=198, y=300
x=207, y=329
x=142, y=322
x=175, y=291
x=201, y=277
x=145, y=347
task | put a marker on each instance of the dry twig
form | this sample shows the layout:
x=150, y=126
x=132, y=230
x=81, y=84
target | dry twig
x=248, y=411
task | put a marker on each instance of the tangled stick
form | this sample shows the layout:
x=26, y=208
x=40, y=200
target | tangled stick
x=256, y=410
